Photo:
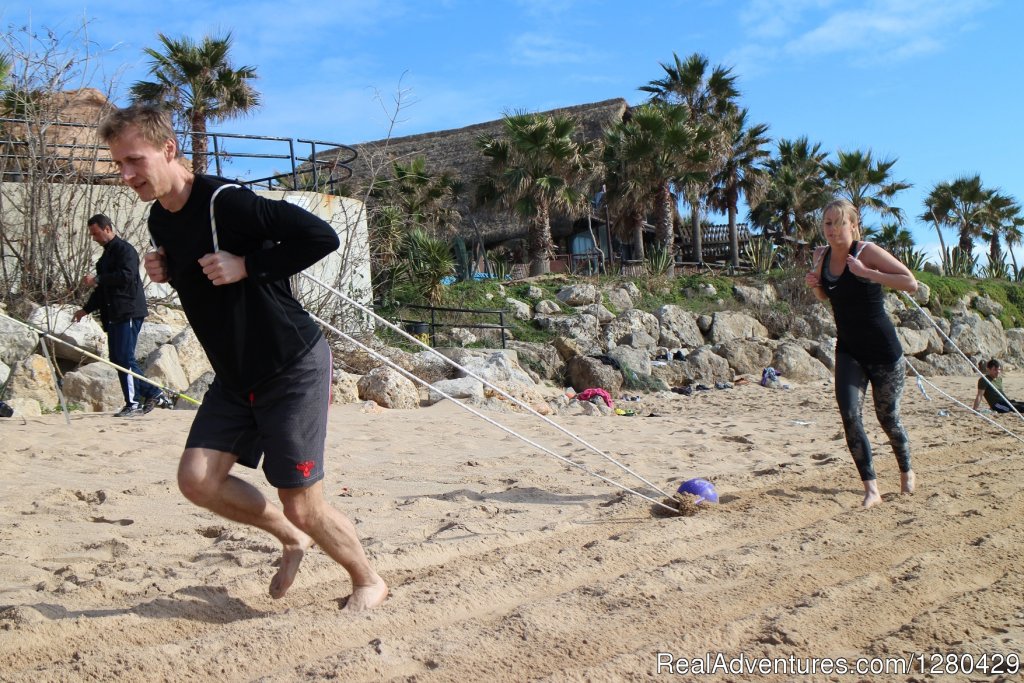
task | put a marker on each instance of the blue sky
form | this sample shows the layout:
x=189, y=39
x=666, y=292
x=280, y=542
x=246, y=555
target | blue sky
x=935, y=83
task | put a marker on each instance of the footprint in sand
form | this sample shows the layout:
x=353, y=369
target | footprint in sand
x=119, y=522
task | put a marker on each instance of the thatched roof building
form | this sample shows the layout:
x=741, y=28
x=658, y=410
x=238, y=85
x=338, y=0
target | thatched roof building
x=455, y=151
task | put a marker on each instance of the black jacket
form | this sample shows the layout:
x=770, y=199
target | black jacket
x=118, y=295
x=254, y=328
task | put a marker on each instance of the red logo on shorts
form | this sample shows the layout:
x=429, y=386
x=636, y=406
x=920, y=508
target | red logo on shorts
x=305, y=467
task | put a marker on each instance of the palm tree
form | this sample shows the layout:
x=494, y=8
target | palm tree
x=198, y=82
x=426, y=201
x=960, y=205
x=1001, y=216
x=648, y=151
x=895, y=239
x=538, y=166
x=866, y=182
x=709, y=97
x=1013, y=233
x=797, y=191
x=743, y=173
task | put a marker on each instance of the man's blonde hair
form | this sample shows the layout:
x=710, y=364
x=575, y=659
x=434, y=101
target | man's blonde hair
x=849, y=213
x=153, y=122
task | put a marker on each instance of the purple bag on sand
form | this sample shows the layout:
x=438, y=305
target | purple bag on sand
x=702, y=488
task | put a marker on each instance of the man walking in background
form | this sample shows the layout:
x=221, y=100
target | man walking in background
x=119, y=298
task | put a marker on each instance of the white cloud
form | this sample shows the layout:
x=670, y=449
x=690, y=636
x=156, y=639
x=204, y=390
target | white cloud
x=869, y=31
x=536, y=49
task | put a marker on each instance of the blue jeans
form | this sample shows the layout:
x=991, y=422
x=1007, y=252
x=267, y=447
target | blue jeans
x=121, y=340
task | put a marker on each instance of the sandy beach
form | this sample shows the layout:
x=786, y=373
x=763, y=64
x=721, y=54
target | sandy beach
x=507, y=565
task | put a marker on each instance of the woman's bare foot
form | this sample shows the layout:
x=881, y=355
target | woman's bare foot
x=367, y=597
x=871, y=495
x=291, y=558
x=907, y=482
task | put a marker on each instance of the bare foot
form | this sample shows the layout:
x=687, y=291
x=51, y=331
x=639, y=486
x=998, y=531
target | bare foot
x=291, y=558
x=367, y=597
x=907, y=482
x=871, y=495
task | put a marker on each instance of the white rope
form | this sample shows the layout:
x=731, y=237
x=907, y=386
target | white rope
x=497, y=389
x=487, y=419
x=213, y=228
x=213, y=218
x=963, y=355
x=43, y=333
x=921, y=378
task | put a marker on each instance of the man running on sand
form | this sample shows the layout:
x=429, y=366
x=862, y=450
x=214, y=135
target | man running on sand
x=272, y=364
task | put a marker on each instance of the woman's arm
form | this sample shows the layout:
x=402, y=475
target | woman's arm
x=876, y=264
x=813, y=278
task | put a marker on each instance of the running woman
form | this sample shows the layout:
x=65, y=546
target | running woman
x=850, y=274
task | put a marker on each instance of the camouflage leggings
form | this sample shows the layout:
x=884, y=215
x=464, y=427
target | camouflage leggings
x=887, y=389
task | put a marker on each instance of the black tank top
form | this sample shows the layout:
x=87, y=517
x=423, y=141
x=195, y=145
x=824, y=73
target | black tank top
x=863, y=329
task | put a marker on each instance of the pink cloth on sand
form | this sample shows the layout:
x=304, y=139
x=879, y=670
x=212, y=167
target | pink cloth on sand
x=588, y=394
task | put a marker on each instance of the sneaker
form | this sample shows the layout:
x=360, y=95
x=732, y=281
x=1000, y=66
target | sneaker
x=161, y=400
x=129, y=410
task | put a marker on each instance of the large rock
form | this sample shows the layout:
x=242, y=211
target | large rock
x=152, y=336
x=463, y=388
x=619, y=298
x=793, y=362
x=520, y=310
x=584, y=330
x=702, y=366
x=497, y=368
x=602, y=314
x=735, y=325
x=914, y=342
x=345, y=388
x=387, y=387
x=59, y=322
x=25, y=407
x=585, y=372
x=747, y=356
x=33, y=378
x=758, y=297
x=16, y=341
x=164, y=368
x=95, y=386
x=191, y=355
x=430, y=366
x=635, y=328
x=1015, y=346
x=678, y=327
x=5, y=372
x=972, y=336
x=986, y=306
x=579, y=295
x=637, y=360
x=547, y=307
x=942, y=364
x=196, y=391
x=543, y=360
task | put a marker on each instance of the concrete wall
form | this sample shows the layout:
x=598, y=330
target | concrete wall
x=68, y=207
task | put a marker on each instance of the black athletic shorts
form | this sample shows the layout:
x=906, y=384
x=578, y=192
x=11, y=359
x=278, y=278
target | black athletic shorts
x=284, y=420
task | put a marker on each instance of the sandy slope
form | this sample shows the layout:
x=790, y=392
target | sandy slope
x=506, y=564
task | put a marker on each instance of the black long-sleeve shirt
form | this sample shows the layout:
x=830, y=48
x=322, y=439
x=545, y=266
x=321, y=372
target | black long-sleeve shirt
x=254, y=328
x=118, y=295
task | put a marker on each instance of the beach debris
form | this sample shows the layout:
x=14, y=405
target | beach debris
x=702, y=489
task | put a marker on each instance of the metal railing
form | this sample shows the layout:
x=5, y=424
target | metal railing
x=21, y=155
x=417, y=327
